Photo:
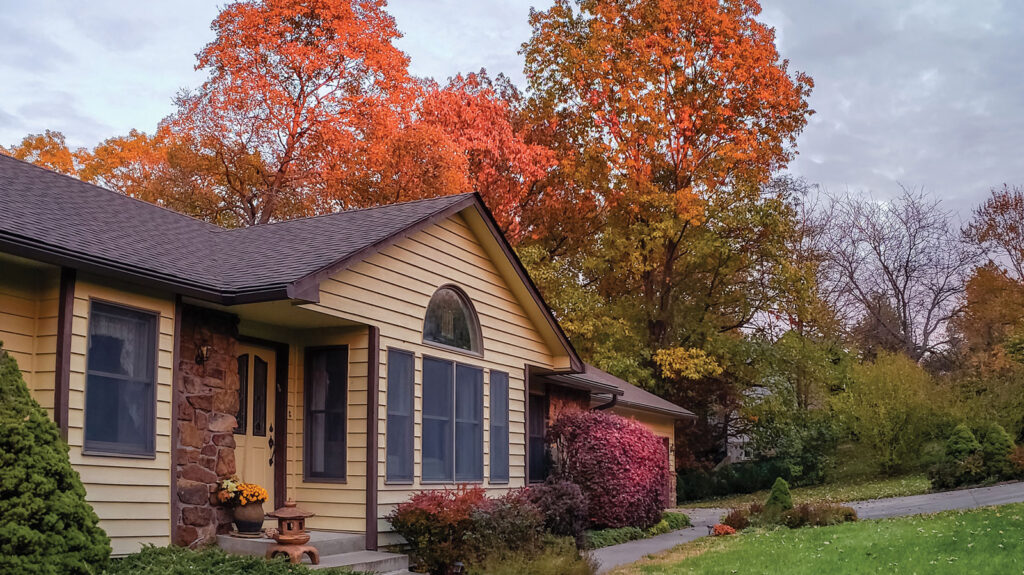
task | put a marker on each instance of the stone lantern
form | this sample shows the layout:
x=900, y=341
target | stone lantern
x=290, y=535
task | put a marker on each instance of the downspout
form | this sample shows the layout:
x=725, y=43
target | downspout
x=609, y=405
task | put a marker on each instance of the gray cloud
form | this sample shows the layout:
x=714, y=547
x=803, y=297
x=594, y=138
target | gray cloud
x=924, y=93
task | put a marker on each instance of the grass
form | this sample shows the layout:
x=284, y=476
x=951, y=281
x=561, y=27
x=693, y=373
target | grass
x=986, y=541
x=868, y=488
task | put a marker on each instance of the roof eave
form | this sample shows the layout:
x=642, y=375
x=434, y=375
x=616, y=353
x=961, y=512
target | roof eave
x=681, y=414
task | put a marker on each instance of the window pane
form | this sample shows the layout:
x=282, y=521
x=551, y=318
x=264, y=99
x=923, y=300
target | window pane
x=326, y=400
x=401, y=371
x=499, y=426
x=450, y=321
x=120, y=381
x=438, y=412
x=259, y=397
x=469, y=423
x=243, y=393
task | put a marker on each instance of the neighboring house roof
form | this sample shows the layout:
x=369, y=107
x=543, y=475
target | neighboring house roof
x=632, y=396
x=61, y=220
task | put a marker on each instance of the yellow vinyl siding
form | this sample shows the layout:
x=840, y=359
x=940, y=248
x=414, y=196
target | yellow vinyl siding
x=131, y=495
x=338, y=506
x=391, y=289
x=29, y=296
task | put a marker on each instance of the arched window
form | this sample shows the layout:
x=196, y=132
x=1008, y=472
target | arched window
x=451, y=320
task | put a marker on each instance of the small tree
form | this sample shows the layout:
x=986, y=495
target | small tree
x=46, y=526
x=780, y=499
x=621, y=467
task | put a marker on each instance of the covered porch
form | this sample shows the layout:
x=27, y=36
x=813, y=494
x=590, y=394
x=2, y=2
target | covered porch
x=281, y=396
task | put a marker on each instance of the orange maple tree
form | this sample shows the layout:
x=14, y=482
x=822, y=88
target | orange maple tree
x=295, y=88
x=682, y=97
x=483, y=118
x=49, y=150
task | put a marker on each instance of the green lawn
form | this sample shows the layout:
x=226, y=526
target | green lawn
x=832, y=492
x=988, y=541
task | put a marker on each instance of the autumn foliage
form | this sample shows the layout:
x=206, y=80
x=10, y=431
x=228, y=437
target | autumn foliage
x=621, y=467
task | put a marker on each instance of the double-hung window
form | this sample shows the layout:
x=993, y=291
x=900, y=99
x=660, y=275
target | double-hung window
x=326, y=400
x=120, y=388
x=452, y=421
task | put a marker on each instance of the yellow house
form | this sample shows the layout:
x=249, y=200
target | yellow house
x=344, y=361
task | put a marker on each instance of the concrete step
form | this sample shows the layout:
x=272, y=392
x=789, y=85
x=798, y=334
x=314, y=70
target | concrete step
x=369, y=561
x=326, y=542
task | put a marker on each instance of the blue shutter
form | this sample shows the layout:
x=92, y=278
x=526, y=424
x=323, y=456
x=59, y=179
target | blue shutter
x=401, y=371
x=499, y=427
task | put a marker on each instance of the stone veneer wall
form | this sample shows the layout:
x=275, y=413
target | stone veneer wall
x=207, y=400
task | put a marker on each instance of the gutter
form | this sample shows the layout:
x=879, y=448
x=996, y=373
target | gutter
x=610, y=404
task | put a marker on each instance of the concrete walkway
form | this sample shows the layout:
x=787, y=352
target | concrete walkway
x=617, y=555
x=614, y=556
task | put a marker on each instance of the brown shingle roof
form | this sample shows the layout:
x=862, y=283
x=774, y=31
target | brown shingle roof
x=45, y=213
x=633, y=396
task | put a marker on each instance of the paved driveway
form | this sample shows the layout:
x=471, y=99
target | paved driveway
x=626, y=553
x=934, y=502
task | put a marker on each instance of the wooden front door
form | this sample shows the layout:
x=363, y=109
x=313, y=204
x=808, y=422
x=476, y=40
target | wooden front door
x=254, y=436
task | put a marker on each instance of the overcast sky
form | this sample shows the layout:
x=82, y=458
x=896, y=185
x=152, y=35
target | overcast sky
x=919, y=92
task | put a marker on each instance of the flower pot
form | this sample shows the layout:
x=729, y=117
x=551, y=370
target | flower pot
x=249, y=518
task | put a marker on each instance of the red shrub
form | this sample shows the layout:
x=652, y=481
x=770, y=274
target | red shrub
x=436, y=524
x=738, y=519
x=720, y=530
x=619, y=464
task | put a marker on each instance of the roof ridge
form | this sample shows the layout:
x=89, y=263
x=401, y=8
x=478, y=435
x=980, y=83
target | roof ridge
x=352, y=210
x=109, y=191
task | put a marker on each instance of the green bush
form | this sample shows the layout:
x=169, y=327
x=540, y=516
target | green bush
x=780, y=499
x=46, y=526
x=181, y=561
x=743, y=477
x=559, y=557
x=996, y=448
x=962, y=443
x=676, y=521
x=598, y=538
x=963, y=462
x=670, y=521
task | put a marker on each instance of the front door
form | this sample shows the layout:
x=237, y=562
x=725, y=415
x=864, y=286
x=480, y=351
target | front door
x=254, y=436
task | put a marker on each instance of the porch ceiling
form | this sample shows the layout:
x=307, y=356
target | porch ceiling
x=281, y=313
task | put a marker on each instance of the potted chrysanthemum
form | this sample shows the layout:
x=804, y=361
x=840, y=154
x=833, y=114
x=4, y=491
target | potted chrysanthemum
x=246, y=503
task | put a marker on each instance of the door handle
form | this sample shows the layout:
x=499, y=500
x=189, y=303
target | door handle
x=270, y=444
